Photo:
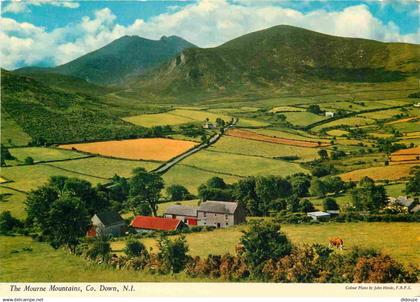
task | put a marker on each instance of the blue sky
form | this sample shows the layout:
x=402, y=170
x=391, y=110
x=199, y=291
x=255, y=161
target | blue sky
x=48, y=32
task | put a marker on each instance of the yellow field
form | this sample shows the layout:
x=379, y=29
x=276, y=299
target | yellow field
x=392, y=172
x=337, y=132
x=286, y=109
x=174, y=117
x=160, y=149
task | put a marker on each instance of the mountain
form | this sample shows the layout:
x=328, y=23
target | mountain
x=128, y=55
x=50, y=115
x=281, y=56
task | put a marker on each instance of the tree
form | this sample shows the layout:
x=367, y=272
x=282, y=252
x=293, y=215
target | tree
x=173, y=253
x=145, y=187
x=306, y=206
x=300, y=184
x=5, y=154
x=134, y=248
x=220, y=123
x=323, y=154
x=292, y=203
x=367, y=196
x=29, y=161
x=216, y=183
x=100, y=248
x=317, y=188
x=67, y=221
x=177, y=192
x=244, y=191
x=8, y=223
x=264, y=241
x=413, y=184
x=330, y=204
x=38, y=204
x=314, y=108
x=334, y=184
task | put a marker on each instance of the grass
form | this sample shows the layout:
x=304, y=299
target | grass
x=191, y=177
x=383, y=114
x=303, y=118
x=395, y=190
x=411, y=126
x=248, y=122
x=289, y=133
x=349, y=121
x=45, y=264
x=231, y=144
x=14, y=203
x=392, y=172
x=401, y=240
x=44, y=154
x=11, y=133
x=174, y=117
x=105, y=167
x=337, y=132
x=26, y=178
x=286, y=109
x=242, y=165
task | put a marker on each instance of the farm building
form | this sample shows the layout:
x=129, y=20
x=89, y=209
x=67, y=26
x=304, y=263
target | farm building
x=408, y=203
x=208, y=125
x=148, y=224
x=107, y=223
x=319, y=216
x=187, y=214
x=329, y=114
x=220, y=213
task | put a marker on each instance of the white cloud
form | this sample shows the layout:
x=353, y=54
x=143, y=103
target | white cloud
x=19, y=6
x=207, y=23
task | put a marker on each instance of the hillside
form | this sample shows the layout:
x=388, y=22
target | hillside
x=51, y=115
x=125, y=56
x=280, y=56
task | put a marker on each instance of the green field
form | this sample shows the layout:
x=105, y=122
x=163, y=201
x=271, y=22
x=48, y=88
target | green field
x=174, y=117
x=241, y=165
x=383, y=114
x=44, y=154
x=401, y=240
x=289, y=133
x=252, y=123
x=105, y=167
x=303, y=118
x=191, y=177
x=14, y=203
x=411, y=126
x=287, y=109
x=237, y=145
x=11, y=133
x=45, y=264
x=349, y=121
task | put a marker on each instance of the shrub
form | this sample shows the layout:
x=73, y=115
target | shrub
x=8, y=223
x=330, y=204
x=173, y=254
x=134, y=248
x=29, y=160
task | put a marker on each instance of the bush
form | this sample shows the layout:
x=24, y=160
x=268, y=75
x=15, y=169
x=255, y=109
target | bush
x=134, y=248
x=330, y=204
x=29, y=160
x=8, y=223
x=177, y=192
x=173, y=254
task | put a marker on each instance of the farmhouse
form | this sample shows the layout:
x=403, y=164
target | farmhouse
x=319, y=216
x=187, y=214
x=220, y=213
x=107, y=223
x=409, y=203
x=148, y=224
x=329, y=114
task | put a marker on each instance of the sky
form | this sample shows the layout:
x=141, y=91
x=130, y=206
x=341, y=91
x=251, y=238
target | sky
x=50, y=33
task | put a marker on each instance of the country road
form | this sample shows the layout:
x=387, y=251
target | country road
x=165, y=167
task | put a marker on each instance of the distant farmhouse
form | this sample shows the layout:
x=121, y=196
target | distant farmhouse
x=410, y=204
x=319, y=216
x=107, y=223
x=329, y=114
x=210, y=213
x=144, y=224
x=208, y=125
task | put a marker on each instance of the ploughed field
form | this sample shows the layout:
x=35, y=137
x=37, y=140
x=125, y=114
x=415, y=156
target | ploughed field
x=276, y=140
x=159, y=149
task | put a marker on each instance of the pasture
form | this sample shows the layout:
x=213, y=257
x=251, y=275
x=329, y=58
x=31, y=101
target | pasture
x=276, y=140
x=391, y=172
x=241, y=165
x=25, y=260
x=235, y=145
x=11, y=133
x=349, y=121
x=44, y=154
x=303, y=118
x=13, y=201
x=174, y=117
x=191, y=177
x=287, y=109
x=159, y=149
x=401, y=241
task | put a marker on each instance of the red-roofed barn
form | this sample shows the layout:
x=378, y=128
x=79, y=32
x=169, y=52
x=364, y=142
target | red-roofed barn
x=149, y=223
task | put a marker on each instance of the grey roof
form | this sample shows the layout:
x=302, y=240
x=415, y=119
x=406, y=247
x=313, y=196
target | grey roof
x=318, y=214
x=214, y=206
x=109, y=218
x=181, y=210
x=402, y=200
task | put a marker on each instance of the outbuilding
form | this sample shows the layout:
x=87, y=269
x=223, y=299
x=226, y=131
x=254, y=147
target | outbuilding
x=319, y=215
x=107, y=223
x=148, y=224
